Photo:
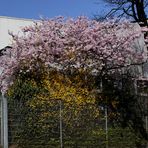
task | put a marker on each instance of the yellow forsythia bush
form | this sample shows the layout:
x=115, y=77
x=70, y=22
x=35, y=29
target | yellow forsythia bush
x=43, y=99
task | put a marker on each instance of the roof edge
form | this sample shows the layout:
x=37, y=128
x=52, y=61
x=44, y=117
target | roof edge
x=25, y=19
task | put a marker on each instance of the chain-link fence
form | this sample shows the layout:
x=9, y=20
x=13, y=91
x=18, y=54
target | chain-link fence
x=59, y=124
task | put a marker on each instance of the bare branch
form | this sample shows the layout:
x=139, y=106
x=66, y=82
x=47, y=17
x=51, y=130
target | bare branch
x=132, y=8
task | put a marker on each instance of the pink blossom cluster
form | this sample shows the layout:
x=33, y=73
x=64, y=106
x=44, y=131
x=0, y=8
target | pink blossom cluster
x=70, y=43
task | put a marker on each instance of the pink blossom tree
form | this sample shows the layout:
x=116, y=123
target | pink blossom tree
x=67, y=44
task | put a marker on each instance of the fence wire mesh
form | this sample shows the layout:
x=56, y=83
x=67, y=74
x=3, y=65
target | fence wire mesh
x=58, y=124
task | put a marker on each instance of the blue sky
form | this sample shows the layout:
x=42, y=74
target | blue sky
x=50, y=8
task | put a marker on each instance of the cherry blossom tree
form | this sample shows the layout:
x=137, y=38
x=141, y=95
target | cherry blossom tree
x=71, y=44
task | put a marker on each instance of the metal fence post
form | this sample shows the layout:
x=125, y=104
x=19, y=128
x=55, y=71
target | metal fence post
x=61, y=130
x=4, y=122
x=106, y=126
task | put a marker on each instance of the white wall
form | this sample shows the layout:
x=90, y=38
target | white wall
x=11, y=24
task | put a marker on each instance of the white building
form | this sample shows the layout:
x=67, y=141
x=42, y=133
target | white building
x=13, y=25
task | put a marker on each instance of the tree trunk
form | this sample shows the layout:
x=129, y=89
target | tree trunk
x=140, y=12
